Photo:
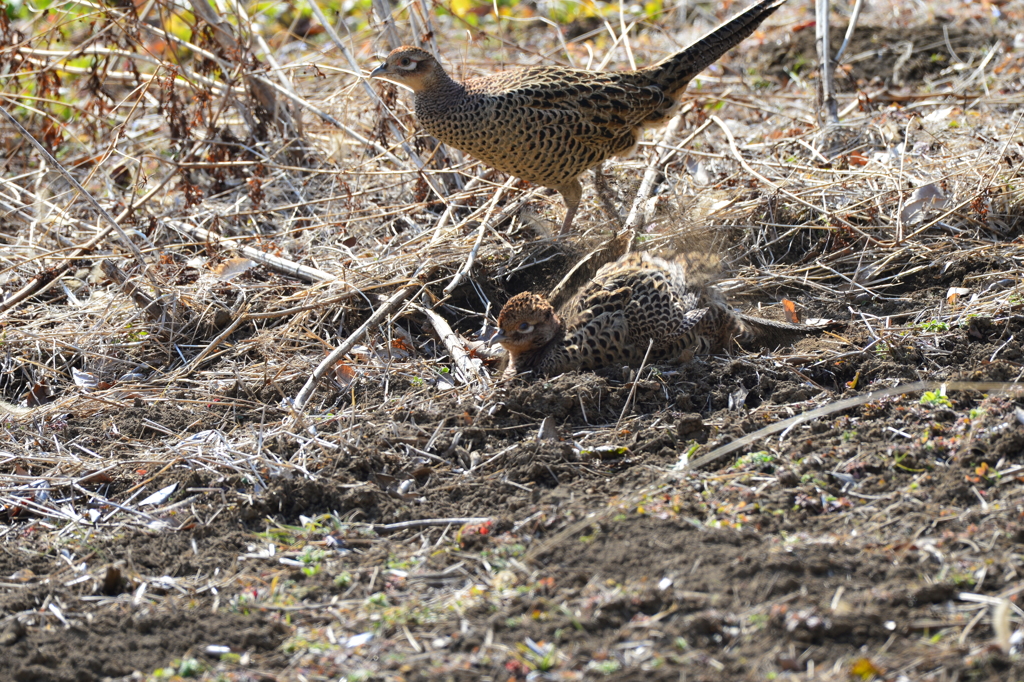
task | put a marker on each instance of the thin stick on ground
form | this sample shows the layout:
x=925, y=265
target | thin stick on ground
x=647, y=185
x=426, y=523
x=849, y=30
x=282, y=265
x=632, y=389
x=465, y=367
x=826, y=92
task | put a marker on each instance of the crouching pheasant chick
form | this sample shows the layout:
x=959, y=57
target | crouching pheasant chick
x=638, y=306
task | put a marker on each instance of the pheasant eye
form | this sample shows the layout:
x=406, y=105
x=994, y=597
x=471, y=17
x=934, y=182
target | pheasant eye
x=405, y=61
x=525, y=328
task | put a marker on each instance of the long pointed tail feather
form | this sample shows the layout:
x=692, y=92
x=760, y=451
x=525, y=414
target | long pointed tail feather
x=758, y=331
x=676, y=71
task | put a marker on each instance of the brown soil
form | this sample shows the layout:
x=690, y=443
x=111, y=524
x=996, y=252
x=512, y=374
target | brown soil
x=767, y=565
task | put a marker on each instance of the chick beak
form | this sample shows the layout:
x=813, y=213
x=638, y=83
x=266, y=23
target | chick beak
x=491, y=335
x=379, y=71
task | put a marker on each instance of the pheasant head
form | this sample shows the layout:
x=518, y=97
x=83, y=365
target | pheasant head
x=527, y=324
x=412, y=67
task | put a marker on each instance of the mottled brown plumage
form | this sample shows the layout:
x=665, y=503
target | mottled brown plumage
x=629, y=302
x=549, y=124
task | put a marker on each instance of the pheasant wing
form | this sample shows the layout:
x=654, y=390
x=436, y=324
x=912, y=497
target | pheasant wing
x=600, y=104
x=601, y=342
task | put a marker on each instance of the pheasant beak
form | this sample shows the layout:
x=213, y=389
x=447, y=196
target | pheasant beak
x=492, y=335
x=381, y=70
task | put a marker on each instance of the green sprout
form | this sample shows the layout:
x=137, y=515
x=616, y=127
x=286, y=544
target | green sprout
x=935, y=399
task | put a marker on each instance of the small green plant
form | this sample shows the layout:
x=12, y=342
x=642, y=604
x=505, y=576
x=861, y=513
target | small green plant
x=312, y=558
x=761, y=457
x=934, y=326
x=799, y=65
x=606, y=667
x=359, y=676
x=848, y=436
x=418, y=381
x=343, y=580
x=963, y=579
x=542, y=658
x=935, y=399
x=897, y=461
x=190, y=667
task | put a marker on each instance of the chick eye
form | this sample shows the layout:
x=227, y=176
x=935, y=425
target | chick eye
x=525, y=328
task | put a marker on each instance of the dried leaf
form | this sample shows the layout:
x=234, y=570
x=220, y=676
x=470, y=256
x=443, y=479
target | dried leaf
x=37, y=395
x=23, y=576
x=791, y=314
x=344, y=374
x=548, y=430
x=82, y=379
x=923, y=199
x=232, y=268
x=865, y=669
x=698, y=172
x=160, y=495
x=955, y=293
x=98, y=477
x=112, y=581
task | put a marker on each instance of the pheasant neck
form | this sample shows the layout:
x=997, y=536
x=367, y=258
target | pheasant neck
x=438, y=96
x=547, y=359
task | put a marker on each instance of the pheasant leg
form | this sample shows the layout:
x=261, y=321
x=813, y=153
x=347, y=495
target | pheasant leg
x=572, y=193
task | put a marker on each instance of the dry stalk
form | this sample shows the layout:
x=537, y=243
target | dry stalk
x=282, y=265
x=467, y=370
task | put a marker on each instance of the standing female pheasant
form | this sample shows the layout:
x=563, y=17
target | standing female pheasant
x=550, y=124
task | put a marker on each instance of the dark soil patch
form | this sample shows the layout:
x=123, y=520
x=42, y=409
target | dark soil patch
x=119, y=643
